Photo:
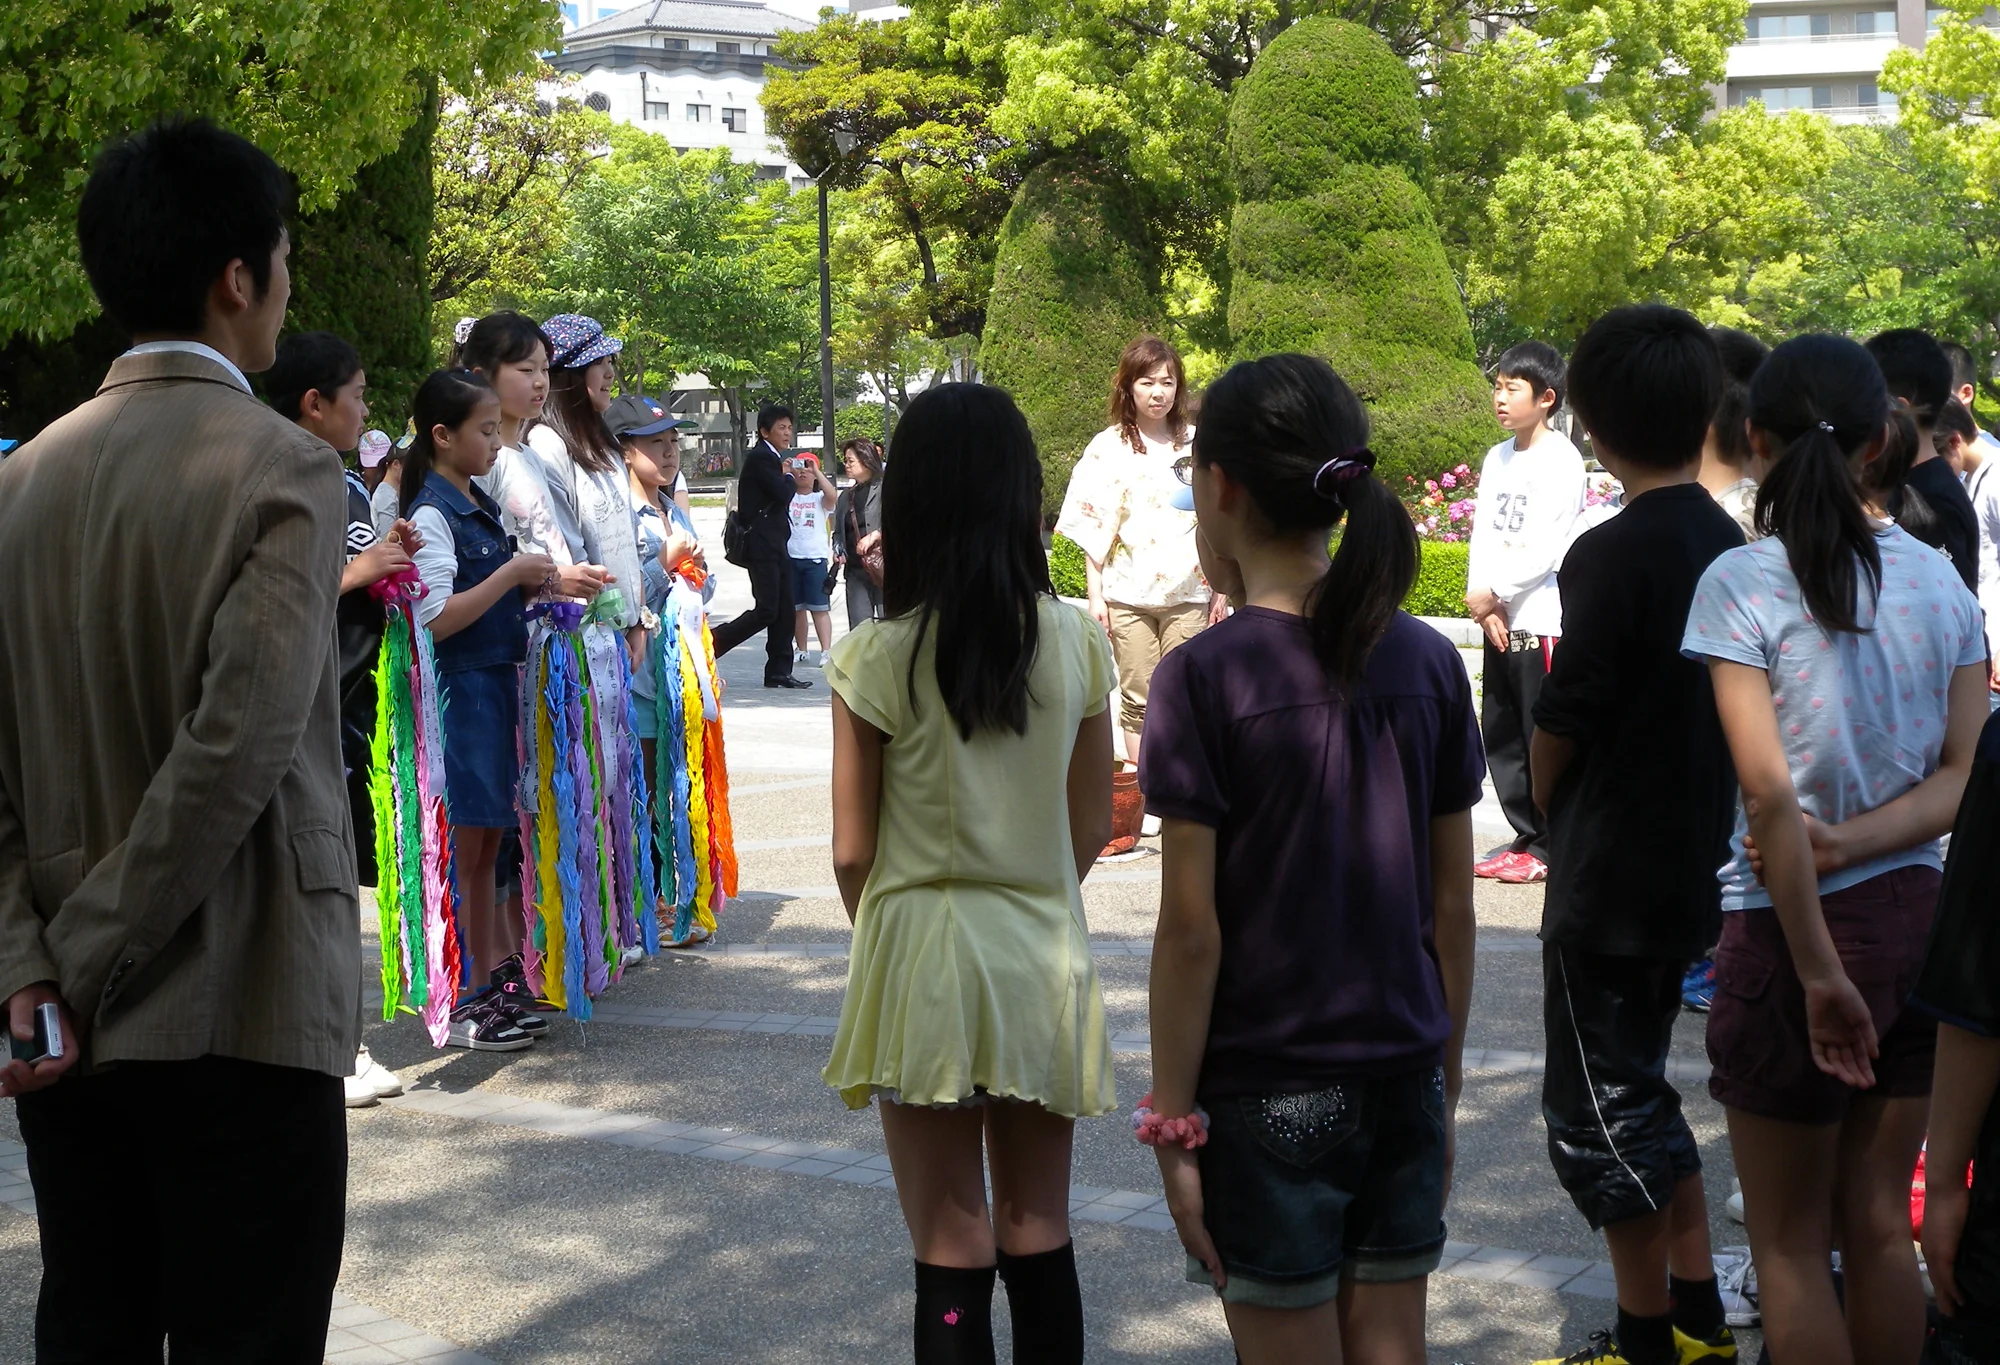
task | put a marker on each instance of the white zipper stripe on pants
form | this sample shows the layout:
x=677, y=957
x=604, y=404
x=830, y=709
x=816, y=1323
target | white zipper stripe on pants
x=1584, y=1058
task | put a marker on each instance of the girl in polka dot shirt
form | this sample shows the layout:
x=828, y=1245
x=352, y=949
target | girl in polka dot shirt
x=1849, y=669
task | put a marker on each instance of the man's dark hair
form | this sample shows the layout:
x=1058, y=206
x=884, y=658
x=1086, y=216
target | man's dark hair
x=771, y=414
x=308, y=361
x=1537, y=362
x=166, y=210
x=1916, y=370
x=1645, y=379
x=1963, y=370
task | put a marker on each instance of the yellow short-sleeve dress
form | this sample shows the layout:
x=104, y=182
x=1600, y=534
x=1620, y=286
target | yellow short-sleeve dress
x=971, y=971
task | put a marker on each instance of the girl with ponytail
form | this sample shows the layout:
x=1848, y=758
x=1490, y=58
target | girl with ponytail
x=1848, y=665
x=1314, y=758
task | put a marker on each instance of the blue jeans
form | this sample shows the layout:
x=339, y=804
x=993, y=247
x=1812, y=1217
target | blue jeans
x=1297, y=1188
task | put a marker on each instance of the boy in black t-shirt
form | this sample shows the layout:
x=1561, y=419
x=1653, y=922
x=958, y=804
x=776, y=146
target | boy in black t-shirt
x=1918, y=373
x=1960, y=988
x=1630, y=763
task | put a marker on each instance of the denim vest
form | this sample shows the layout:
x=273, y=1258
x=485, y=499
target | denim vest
x=500, y=636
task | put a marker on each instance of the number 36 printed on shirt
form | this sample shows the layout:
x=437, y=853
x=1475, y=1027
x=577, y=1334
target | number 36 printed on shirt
x=1510, y=511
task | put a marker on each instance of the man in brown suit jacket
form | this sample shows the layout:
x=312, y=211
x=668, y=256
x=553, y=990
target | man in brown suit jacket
x=176, y=866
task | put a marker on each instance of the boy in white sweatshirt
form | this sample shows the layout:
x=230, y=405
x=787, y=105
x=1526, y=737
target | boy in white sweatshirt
x=1531, y=489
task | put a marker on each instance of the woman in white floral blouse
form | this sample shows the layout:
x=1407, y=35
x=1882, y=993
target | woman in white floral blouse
x=1145, y=581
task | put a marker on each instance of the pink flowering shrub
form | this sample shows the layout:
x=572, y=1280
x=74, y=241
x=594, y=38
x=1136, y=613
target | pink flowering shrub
x=1442, y=508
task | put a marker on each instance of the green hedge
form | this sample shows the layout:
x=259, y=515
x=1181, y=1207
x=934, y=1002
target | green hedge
x=1438, y=591
x=1074, y=281
x=1440, y=586
x=1333, y=249
x=361, y=271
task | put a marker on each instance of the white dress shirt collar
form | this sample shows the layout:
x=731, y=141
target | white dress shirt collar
x=194, y=348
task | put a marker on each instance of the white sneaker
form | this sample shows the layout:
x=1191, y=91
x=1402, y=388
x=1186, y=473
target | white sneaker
x=816, y=658
x=628, y=956
x=798, y=657
x=380, y=1078
x=1735, y=1206
x=360, y=1094
x=1736, y=1282
x=1149, y=826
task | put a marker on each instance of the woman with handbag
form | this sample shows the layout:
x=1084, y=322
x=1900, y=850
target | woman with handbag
x=857, y=529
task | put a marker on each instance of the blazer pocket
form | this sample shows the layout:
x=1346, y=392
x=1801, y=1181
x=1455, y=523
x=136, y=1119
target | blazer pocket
x=326, y=861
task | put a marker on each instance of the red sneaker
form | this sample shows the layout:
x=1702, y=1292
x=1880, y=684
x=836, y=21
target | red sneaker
x=1492, y=867
x=1525, y=867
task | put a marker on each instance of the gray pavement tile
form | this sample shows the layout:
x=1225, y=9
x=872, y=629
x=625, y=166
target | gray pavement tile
x=1562, y=1265
x=347, y=1314
x=808, y=1166
x=750, y=1142
x=708, y=1134
x=426, y=1347
x=769, y=1161
x=383, y=1331
x=1502, y=1256
x=854, y=1175
x=1459, y=1250
x=878, y=1162
x=1128, y=1199
x=764, y=1027
x=662, y=1128
x=364, y=1354
x=1152, y=1222
x=1470, y=1269
x=717, y=1152
x=1591, y=1287
x=1105, y=1213
x=845, y=1156
x=1538, y=1279
x=339, y=1339
x=682, y=1146
x=811, y=1149
x=636, y=1137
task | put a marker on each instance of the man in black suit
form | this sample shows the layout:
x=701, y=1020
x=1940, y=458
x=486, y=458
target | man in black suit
x=763, y=505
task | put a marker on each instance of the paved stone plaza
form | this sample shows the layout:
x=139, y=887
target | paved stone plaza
x=673, y=1182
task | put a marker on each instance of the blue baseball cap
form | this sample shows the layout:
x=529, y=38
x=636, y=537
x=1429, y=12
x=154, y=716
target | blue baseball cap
x=1183, y=499
x=634, y=414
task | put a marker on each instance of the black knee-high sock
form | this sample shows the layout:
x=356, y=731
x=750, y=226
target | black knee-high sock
x=1697, y=1306
x=954, y=1315
x=1046, y=1306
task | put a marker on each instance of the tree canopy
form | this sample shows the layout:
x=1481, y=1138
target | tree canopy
x=323, y=85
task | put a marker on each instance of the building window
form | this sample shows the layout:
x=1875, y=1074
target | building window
x=1875, y=21
x=674, y=44
x=1775, y=97
x=770, y=172
x=736, y=120
x=657, y=109
x=729, y=49
x=699, y=113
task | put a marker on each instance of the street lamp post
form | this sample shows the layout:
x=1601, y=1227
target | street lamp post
x=844, y=141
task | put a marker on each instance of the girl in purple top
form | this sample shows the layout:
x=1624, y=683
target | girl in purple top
x=1314, y=759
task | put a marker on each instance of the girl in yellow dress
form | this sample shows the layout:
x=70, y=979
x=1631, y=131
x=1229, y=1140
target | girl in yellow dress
x=972, y=791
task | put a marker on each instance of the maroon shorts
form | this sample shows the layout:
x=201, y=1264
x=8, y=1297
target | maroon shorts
x=1757, y=1039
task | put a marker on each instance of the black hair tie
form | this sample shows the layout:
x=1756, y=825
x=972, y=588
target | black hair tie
x=1333, y=477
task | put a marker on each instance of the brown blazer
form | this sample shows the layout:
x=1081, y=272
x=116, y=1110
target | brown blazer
x=174, y=841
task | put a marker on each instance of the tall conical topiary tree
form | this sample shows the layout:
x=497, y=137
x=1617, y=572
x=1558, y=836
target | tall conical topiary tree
x=1332, y=247
x=1075, y=279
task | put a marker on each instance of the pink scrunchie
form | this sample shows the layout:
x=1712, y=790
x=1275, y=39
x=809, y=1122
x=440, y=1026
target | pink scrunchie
x=1153, y=1130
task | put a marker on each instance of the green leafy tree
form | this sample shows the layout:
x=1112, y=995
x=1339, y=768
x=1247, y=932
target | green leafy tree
x=683, y=258
x=1075, y=280
x=507, y=158
x=323, y=85
x=924, y=162
x=1333, y=247
x=359, y=271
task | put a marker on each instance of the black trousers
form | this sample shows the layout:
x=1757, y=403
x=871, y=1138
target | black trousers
x=198, y=1204
x=1617, y=1138
x=771, y=587
x=1509, y=684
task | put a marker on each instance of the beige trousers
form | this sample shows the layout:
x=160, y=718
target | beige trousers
x=1140, y=638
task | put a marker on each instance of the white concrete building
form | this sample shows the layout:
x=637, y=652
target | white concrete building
x=1824, y=56
x=690, y=70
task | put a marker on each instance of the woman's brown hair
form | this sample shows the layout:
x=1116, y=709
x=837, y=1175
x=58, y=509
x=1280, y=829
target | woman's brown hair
x=1135, y=362
x=572, y=416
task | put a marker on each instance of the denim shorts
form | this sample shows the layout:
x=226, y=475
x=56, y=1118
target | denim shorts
x=809, y=585
x=1297, y=1188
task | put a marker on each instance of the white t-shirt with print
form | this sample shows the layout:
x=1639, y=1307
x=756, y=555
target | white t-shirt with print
x=1528, y=505
x=1119, y=510
x=1861, y=717
x=810, y=517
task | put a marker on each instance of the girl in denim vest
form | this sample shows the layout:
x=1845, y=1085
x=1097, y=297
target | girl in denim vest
x=474, y=584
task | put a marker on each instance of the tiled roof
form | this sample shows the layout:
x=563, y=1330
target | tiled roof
x=735, y=17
